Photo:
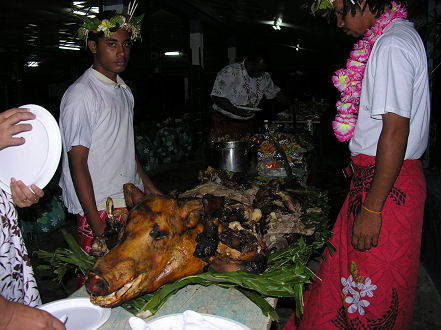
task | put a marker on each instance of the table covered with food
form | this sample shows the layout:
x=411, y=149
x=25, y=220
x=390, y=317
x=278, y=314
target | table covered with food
x=228, y=247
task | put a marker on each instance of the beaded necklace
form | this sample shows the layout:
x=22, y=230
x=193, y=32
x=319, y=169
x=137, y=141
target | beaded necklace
x=349, y=80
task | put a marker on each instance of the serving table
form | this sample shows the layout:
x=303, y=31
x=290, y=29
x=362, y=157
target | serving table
x=215, y=300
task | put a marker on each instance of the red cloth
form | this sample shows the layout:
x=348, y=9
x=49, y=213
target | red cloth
x=85, y=234
x=235, y=128
x=374, y=289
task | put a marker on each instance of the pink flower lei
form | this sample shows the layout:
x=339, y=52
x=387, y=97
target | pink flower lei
x=349, y=80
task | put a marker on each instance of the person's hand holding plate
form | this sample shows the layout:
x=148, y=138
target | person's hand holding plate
x=243, y=112
x=30, y=147
x=22, y=195
x=9, y=126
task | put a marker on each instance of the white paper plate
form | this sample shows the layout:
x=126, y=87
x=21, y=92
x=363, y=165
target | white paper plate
x=35, y=161
x=248, y=108
x=81, y=313
x=173, y=321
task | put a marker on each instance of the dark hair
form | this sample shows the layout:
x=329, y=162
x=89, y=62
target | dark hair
x=376, y=6
x=254, y=54
x=108, y=14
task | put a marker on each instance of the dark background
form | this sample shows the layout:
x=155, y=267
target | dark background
x=32, y=29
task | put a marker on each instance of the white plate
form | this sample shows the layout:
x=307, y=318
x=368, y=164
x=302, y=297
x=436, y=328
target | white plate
x=35, y=161
x=248, y=108
x=173, y=321
x=81, y=313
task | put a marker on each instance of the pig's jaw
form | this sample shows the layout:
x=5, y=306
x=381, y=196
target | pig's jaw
x=126, y=292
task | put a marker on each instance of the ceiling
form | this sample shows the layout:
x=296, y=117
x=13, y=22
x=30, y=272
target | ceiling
x=32, y=29
x=303, y=54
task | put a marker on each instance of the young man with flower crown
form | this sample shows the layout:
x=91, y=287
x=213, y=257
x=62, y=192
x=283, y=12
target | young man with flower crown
x=370, y=280
x=96, y=122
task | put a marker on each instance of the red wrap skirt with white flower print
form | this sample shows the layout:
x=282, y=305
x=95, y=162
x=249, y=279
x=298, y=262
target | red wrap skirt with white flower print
x=374, y=289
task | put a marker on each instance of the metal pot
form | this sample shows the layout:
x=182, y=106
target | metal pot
x=235, y=156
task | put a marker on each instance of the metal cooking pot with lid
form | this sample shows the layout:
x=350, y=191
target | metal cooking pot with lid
x=235, y=156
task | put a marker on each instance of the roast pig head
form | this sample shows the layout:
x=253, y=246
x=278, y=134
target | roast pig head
x=157, y=248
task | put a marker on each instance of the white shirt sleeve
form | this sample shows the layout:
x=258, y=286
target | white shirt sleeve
x=78, y=120
x=224, y=82
x=393, y=84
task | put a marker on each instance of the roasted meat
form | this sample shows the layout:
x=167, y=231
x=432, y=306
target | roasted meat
x=211, y=227
x=166, y=239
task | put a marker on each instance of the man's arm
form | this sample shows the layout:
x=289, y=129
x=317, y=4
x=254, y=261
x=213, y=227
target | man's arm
x=82, y=181
x=389, y=159
x=149, y=187
x=226, y=104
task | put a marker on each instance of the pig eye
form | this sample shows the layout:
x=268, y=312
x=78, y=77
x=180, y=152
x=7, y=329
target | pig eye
x=156, y=233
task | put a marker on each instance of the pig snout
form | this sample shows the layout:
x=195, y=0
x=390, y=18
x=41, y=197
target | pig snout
x=96, y=284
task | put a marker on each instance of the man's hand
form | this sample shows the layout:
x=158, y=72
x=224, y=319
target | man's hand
x=389, y=159
x=226, y=104
x=243, y=112
x=366, y=230
x=22, y=195
x=9, y=126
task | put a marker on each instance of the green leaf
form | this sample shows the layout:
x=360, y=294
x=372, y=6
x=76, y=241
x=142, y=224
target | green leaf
x=354, y=269
x=261, y=302
x=137, y=20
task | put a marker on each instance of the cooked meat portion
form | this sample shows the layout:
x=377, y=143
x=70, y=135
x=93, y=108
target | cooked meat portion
x=210, y=227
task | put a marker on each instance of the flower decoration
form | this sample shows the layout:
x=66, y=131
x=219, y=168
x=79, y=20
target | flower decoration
x=107, y=26
x=349, y=80
x=324, y=6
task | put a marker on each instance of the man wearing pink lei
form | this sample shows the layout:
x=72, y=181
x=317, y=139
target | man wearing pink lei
x=384, y=113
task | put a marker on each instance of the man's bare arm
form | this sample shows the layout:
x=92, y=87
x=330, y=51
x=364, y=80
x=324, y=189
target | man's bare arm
x=389, y=160
x=83, y=186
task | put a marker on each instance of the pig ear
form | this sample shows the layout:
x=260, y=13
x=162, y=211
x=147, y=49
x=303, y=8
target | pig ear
x=132, y=194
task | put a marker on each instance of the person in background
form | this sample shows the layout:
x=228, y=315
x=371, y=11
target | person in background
x=369, y=282
x=242, y=84
x=18, y=288
x=96, y=122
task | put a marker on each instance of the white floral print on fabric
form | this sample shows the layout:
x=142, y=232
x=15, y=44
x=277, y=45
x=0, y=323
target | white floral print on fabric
x=17, y=282
x=234, y=83
x=354, y=289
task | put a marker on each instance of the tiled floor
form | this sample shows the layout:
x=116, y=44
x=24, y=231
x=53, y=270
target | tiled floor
x=183, y=175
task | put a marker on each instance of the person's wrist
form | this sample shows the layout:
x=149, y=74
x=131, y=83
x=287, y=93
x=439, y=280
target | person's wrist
x=364, y=207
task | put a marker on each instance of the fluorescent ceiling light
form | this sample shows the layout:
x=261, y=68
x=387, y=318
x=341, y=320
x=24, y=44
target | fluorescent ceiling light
x=174, y=53
x=31, y=64
x=68, y=44
x=277, y=23
x=73, y=47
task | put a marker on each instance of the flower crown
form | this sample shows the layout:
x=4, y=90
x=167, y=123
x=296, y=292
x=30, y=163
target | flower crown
x=108, y=26
x=324, y=5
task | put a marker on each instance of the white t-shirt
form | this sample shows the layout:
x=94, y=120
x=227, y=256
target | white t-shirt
x=395, y=80
x=234, y=83
x=97, y=113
